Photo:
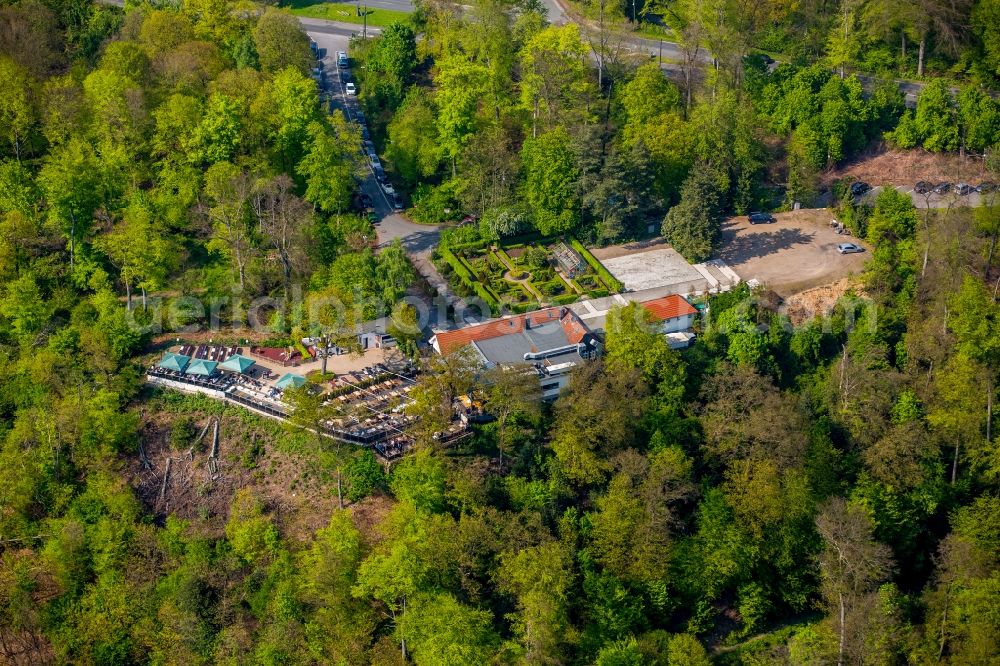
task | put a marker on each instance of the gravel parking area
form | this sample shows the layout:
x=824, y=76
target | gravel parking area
x=797, y=252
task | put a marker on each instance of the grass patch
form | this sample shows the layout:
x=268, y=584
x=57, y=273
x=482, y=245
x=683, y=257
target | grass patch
x=345, y=13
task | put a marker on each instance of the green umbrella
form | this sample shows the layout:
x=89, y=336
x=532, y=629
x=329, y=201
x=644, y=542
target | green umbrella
x=175, y=362
x=289, y=380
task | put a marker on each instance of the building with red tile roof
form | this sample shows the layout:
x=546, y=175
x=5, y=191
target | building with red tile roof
x=553, y=340
x=671, y=309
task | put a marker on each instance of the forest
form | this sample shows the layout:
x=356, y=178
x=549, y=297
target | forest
x=819, y=492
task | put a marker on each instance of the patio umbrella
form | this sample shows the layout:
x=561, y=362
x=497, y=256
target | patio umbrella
x=202, y=367
x=237, y=363
x=175, y=362
x=289, y=380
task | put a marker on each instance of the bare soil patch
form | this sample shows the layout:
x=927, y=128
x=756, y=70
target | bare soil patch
x=885, y=166
x=796, y=253
x=292, y=487
x=818, y=301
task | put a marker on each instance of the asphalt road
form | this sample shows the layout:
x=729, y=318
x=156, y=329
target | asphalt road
x=323, y=27
x=557, y=15
x=418, y=240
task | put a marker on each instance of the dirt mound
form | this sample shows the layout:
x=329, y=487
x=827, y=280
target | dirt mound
x=818, y=301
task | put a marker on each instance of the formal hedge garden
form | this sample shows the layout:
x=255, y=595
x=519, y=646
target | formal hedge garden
x=521, y=273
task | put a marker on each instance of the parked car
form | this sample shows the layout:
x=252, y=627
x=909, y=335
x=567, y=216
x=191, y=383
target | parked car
x=986, y=188
x=964, y=189
x=350, y=89
x=376, y=163
x=923, y=187
x=397, y=203
x=380, y=173
x=942, y=188
x=342, y=59
x=345, y=75
x=859, y=188
x=849, y=248
x=373, y=217
x=364, y=132
x=366, y=201
x=761, y=218
x=360, y=117
x=389, y=190
x=313, y=45
x=368, y=147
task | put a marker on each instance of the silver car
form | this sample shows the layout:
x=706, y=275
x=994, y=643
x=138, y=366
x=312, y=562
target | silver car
x=849, y=248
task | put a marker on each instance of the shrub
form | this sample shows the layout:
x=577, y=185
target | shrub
x=181, y=432
x=364, y=475
x=536, y=257
x=469, y=279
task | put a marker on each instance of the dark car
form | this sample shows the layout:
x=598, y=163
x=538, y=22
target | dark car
x=942, y=188
x=380, y=174
x=345, y=76
x=859, y=188
x=366, y=201
x=397, y=203
x=986, y=188
x=964, y=189
x=373, y=217
x=761, y=218
x=360, y=117
x=922, y=187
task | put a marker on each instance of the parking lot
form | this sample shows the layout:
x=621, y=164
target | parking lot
x=797, y=252
x=950, y=199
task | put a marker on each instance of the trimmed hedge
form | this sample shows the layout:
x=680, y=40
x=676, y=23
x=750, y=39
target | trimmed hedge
x=504, y=256
x=565, y=299
x=612, y=283
x=470, y=280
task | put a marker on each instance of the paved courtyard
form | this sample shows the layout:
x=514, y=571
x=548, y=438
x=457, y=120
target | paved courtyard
x=655, y=268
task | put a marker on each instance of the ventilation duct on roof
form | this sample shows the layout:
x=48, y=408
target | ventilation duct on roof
x=538, y=356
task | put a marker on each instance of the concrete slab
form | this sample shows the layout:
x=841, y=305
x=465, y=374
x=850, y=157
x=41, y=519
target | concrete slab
x=653, y=269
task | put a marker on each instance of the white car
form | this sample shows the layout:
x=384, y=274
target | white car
x=389, y=189
x=849, y=248
x=350, y=88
